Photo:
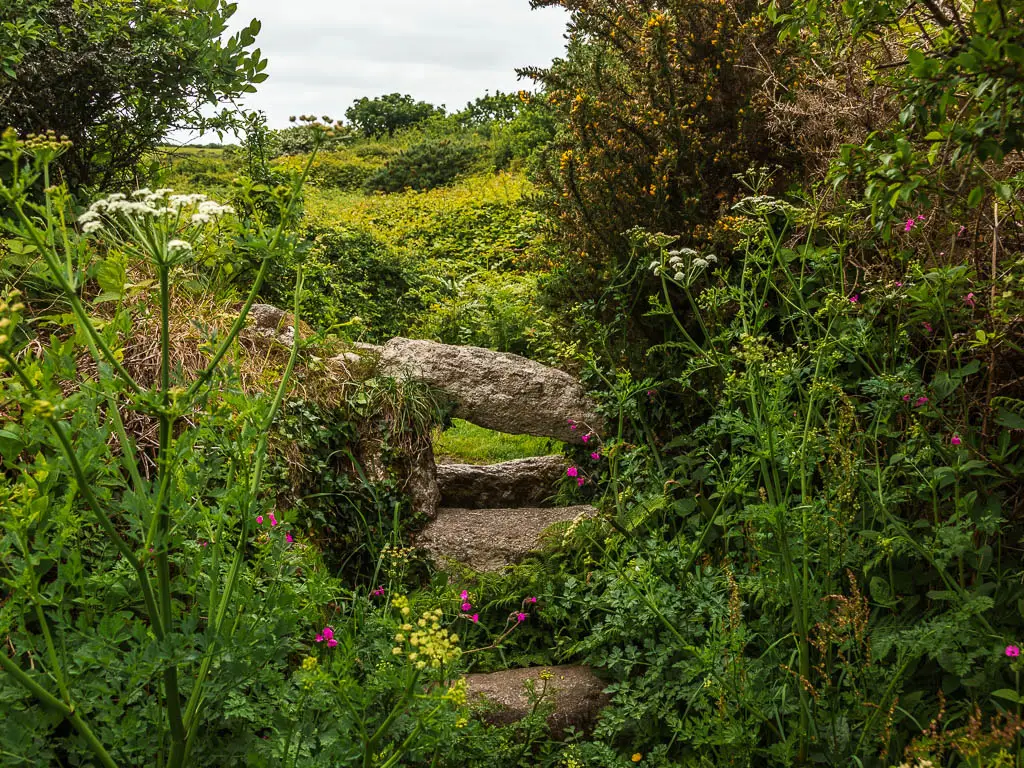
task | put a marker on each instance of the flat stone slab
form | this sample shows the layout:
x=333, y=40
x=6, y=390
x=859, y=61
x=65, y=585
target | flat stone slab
x=496, y=390
x=490, y=539
x=520, y=483
x=577, y=694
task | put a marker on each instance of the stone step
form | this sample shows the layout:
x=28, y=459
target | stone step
x=520, y=483
x=577, y=693
x=490, y=539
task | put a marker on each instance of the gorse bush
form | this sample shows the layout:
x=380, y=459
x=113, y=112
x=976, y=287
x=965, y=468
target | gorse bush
x=657, y=107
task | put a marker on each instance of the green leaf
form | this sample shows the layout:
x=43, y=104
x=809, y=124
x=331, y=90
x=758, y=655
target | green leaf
x=1009, y=419
x=1009, y=695
x=10, y=443
x=974, y=198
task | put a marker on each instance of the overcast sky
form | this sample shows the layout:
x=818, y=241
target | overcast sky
x=324, y=54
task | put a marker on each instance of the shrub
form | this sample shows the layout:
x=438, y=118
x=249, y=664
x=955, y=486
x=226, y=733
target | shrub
x=424, y=166
x=657, y=107
x=356, y=284
x=494, y=310
x=114, y=78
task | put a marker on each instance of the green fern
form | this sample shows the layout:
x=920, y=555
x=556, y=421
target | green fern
x=640, y=513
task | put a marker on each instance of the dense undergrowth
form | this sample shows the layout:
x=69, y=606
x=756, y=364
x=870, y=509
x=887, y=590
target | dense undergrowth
x=780, y=243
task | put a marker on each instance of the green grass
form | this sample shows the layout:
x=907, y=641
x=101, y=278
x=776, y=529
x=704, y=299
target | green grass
x=469, y=444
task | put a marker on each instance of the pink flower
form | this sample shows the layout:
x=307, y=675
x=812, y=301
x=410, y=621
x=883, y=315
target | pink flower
x=520, y=617
x=288, y=537
x=909, y=225
x=273, y=520
x=969, y=300
x=328, y=635
x=466, y=607
x=899, y=284
x=855, y=298
x=927, y=326
x=920, y=401
x=595, y=456
x=962, y=230
x=378, y=592
x=906, y=398
x=580, y=481
x=650, y=393
x=572, y=424
x=572, y=472
x=259, y=520
x=585, y=439
x=475, y=618
x=203, y=542
x=531, y=599
x=1013, y=651
x=920, y=217
x=955, y=440
x=464, y=595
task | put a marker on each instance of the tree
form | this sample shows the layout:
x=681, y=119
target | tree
x=116, y=76
x=389, y=113
x=499, y=108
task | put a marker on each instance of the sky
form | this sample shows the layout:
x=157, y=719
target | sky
x=324, y=54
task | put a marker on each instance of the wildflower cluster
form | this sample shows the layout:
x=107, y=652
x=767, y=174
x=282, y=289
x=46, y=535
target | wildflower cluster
x=124, y=212
x=42, y=142
x=323, y=125
x=912, y=222
x=683, y=266
x=326, y=635
x=396, y=560
x=467, y=606
x=426, y=643
x=311, y=674
x=457, y=693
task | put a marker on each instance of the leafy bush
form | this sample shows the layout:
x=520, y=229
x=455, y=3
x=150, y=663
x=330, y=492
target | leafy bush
x=424, y=166
x=356, y=283
x=103, y=550
x=495, y=310
x=114, y=78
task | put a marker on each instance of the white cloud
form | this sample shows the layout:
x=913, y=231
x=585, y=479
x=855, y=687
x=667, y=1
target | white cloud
x=324, y=54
